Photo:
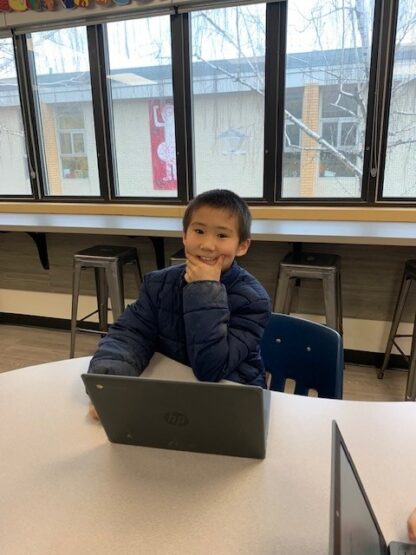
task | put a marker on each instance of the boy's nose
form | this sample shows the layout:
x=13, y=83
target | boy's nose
x=207, y=245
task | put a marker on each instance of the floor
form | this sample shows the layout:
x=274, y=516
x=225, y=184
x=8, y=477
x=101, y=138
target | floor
x=22, y=346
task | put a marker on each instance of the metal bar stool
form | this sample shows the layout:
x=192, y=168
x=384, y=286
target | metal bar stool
x=326, y=267
x=107, y=262
x=177, y=258
x=409, y=275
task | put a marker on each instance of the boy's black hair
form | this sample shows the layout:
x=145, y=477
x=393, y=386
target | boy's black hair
x=225, y=200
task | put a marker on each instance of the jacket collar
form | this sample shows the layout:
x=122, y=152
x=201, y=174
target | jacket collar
x=230, y=275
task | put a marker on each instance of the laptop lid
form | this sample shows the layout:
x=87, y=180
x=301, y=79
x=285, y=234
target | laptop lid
x=354, y=526
x=188, y=416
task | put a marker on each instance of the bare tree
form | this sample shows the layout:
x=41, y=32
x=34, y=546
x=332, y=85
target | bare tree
x=339, y=58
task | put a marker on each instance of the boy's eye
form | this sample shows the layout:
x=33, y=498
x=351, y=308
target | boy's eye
x=222, y=236
x=199, y=231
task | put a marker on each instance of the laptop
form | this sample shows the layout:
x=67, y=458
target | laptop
x=189, y=416
x=354, y=527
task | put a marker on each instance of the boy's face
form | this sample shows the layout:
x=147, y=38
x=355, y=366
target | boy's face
x=213, y=232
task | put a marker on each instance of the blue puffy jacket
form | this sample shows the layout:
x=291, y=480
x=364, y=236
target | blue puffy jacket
x=214, y=327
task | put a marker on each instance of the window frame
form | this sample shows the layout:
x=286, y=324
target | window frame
x=376, y=125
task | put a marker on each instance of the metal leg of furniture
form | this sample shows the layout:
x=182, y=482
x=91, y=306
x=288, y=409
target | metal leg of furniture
x=138, y=271
x=159, y=246
x=411, y=377
x=76, y=276
x=339, y=303
x=289, y=295
x=398, y=311
x=102, y=298
x=281, y=292
x=330, y=296
x=40, y=241
x=115, y=286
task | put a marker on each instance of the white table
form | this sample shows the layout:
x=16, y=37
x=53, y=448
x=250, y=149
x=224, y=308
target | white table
x=157, y=228
x=308, y=231
x=64, y=489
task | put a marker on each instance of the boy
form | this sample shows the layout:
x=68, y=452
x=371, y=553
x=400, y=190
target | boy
x=209, y=314
x=411, y=526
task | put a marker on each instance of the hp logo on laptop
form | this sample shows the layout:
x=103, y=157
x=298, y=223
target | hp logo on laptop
x=176, y=419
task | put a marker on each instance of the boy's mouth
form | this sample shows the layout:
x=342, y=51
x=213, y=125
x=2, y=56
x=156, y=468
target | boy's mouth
x=209, y=260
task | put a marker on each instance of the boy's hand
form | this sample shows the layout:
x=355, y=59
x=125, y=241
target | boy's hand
x=198, y=270
x=411, y=526
x=92, y=412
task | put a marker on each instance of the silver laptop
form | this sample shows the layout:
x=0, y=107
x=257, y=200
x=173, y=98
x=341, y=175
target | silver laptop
x=188, y=416
x=354, y=527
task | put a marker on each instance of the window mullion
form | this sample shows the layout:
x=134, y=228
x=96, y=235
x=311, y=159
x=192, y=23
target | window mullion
x=274, y=116
x=26, y=85
x=389, y=27
x=181, y=77
x=381, y=57
x=98, y=71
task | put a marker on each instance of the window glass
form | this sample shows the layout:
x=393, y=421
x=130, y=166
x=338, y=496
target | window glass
x=143, y=116
x=65, y=113
x=400, y=168
x=228, y=51
x=14, y=169
x=327, y=74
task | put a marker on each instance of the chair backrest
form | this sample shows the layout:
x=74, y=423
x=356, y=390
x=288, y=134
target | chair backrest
x=311, y=354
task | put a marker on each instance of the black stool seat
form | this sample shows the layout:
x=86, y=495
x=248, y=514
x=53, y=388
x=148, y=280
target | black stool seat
x=312, y=260
x=177, y=258
x=409, y=276
x=107, y=262
x=106, y=251
x=311, y=265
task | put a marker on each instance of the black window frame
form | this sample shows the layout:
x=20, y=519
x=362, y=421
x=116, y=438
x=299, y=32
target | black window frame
x=375, y=144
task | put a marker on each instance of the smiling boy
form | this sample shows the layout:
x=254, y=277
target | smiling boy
x=209, y=314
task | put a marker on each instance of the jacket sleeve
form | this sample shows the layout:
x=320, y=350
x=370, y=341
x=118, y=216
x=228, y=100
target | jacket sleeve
x=130, y=342
x=218, y=341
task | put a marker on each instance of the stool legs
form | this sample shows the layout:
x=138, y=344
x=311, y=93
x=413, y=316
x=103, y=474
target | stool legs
x=137, y=272
x=76, y=275
x=102, y=298
x=283, y=293
x=404, y=290
x=411, y=377
x=115, y=287
x=331, y=283
x=339, y=301
x=332, y=294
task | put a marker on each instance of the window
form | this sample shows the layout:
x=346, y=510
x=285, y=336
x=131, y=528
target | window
x=64, y=110
x=339, y=129
x=328, y=59
x=143, y=118
x=292, y=145
x=318, y=117
x=228, y=51
x=400, y=168
x=71, y=130
x=13, y=156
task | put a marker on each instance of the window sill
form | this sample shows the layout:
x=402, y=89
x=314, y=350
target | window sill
x=313, y=213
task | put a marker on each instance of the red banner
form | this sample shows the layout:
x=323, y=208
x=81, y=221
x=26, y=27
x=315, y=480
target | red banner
x=162, y=136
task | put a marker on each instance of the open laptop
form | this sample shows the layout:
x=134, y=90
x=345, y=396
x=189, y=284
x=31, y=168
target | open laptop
x=188, y=416
x=354, y=527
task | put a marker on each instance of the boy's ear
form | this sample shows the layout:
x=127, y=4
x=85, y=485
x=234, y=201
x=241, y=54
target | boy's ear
x=243, y=247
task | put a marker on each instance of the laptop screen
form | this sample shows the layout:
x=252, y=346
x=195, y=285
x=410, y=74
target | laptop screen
x=355, y=530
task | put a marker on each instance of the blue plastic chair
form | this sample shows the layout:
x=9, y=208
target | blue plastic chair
x=311, y=354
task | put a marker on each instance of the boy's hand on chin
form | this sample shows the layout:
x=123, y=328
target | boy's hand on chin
x=92, y=412
x=198, y=270
x=411, y=526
